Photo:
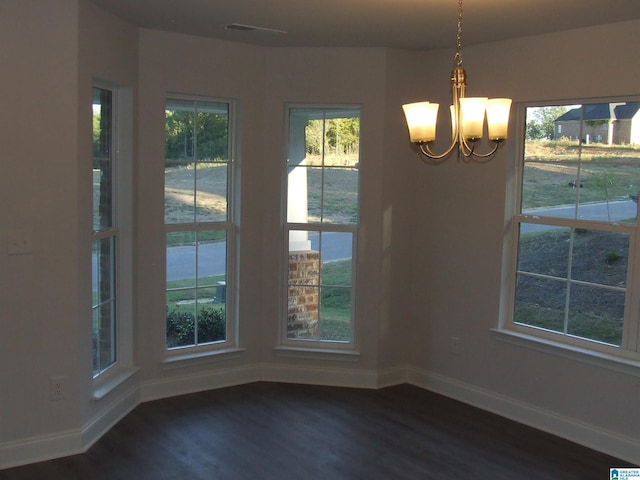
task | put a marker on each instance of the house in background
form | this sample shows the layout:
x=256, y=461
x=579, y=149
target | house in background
x=608, y=123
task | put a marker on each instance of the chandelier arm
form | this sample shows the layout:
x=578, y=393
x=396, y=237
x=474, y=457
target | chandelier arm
x=426, y=151
x=467, y=148
x=475, y=155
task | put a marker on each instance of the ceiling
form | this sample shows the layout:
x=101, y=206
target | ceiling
x=410, y=24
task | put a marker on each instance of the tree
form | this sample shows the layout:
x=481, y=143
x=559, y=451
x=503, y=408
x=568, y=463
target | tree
x=190, y=133
x=540, y=121
x=341, y=136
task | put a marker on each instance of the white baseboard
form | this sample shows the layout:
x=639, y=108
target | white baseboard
x=596, y=438
x=110, y=414
x=72, y=442
x=336, y=377
x=40, y=448
x=198, y=382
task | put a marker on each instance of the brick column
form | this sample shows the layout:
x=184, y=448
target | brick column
x=302, y=313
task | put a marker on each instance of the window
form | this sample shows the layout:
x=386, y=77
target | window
x=104, y=232
x=575, y=251
x=112, y=227
x=198, y=212
x=321, y=178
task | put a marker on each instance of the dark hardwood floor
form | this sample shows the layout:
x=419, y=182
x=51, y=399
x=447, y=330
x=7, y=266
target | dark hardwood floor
x=282, y=431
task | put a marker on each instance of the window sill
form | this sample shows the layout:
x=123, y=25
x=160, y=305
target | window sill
x=103, y=386
x=202, y=356
x=627, y=366
x=317, y=353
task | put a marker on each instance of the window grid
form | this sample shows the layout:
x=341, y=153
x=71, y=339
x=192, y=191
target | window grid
x=597, y=313
x=104, y=236
x=321, y=212
x=199, y=230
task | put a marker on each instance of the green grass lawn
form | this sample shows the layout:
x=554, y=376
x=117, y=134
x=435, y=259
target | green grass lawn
x=605, y=173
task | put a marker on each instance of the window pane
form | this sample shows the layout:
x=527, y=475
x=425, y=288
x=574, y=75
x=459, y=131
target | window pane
x=607, y=189
x=580, y=162
x=102, y=194
x=304, y=195
x=336, y=253
x=322, y=165
x=212, y=257
x=181, y=314
x=543, y=249
x=341, y=137
x=596, y=314
x=340, y=195
x=103, y=288
x=211, y=191
x=320, y=258
x=103, y=269
x=302, y=285
x=335, y=314
x=210, y=316
x=179, y=194
x=102, y=159
x=547, y=183
x=540, y=302
x=180, y=118
x=104, y=354
x=196, y=159
x=181, y=260
x=600, y=257
x=196, y=287
x=179, y=160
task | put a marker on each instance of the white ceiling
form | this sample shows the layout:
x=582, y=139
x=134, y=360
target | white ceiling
x=411, y=24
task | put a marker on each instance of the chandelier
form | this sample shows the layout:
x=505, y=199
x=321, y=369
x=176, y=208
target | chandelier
x=467, y=117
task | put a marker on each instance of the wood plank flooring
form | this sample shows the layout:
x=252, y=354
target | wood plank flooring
x=284, y=431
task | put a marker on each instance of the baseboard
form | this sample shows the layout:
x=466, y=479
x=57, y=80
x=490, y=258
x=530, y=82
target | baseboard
x=71, y=442
x=47, y=447
x=198, y=382
x=610, y=443
x=109, y=415
x=336, y=377
x=40, y=448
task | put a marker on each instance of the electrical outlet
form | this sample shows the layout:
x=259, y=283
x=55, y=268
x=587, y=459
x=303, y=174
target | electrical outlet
x=57, y=388
x=455, y=345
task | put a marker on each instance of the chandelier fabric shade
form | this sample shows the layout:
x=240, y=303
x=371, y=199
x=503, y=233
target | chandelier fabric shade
x=467, y=117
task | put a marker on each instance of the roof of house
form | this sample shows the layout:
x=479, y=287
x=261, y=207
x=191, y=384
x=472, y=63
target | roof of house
x=602, y=111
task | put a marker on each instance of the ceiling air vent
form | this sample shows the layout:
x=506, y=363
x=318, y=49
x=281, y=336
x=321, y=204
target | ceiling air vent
x=251, y=28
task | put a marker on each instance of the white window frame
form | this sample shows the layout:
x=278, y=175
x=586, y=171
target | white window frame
x=317, y=345
x=623, y=358
x=122, y=232
x=230, y=343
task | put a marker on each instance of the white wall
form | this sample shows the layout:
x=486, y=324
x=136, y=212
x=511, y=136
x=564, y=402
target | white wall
x=38, y=194
x=431, y=246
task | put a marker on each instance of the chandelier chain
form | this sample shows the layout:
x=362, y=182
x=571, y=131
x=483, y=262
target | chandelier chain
x=458, y=57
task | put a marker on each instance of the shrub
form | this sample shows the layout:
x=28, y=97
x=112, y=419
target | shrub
x=180, y=326
x=612, y=257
